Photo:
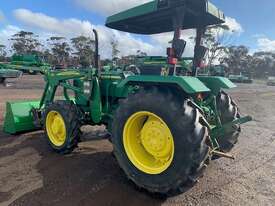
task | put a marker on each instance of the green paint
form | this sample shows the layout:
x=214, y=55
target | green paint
x=133, y=12
x=97, y=96
x=190, y=85
x=95, y=103
x=9, y=73
x=18, y=116
x=149, y=18
x=26, y=63
x=216, y=132
x=217, y=83
x=241, y=78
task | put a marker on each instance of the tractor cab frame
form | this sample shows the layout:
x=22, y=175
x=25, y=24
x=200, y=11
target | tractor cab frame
x=161, y=16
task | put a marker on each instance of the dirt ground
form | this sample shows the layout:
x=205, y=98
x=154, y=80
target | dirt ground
x=31, y=174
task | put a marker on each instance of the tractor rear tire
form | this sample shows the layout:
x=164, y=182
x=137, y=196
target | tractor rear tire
x=228, y=111
x=189, y=135
x=62, y=126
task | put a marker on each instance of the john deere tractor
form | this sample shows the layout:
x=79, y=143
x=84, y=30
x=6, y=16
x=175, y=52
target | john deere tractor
x=164, y=128
x=31, y=64
x=8, y=73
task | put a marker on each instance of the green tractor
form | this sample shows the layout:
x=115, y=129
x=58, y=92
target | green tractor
x=217, y=70
x=164, y=128
x=241, y=78
x=31, y=64
x=8, y=73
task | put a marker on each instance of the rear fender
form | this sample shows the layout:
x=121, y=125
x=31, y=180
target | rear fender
x=190, y=85
x=217, y=83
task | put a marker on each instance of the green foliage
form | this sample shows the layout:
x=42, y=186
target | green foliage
x=141, y=53
x=260, y=64
x=84, y=50
x=48, y=56
x=263, y=63
x=80, y=52
x=215, y=39
x=60, y=49
x=25, y=42
x=114, y=46
x=3, y=52
x=238, y=59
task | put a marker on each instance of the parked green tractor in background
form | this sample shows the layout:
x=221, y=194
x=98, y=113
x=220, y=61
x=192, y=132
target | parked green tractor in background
x=8, y=73
x=31, y=64
x=164, y=128
x=241, y=78
x=216, y=70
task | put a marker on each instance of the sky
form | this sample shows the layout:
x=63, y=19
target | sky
x=251, y=23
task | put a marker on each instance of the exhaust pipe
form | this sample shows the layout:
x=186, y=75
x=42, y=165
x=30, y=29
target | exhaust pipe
x=96, y=55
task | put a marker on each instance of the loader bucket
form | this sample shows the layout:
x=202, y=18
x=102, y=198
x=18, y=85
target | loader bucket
x=18, y=117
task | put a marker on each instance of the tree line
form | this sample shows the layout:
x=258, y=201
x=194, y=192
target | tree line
x=236, y=59
x=258, y=65
x=79, y=51
x=56, y=51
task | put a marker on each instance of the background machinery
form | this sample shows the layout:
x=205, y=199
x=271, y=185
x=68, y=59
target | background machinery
x=165, y=128
x=241, y=78
x=30, y=64
x=8, y=73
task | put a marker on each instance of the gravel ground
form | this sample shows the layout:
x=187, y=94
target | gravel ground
x=31, y=174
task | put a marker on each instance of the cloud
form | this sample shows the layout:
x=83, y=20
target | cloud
x=128, y=43
x=234, y=25
x=266, y=44
x=70, y=26
x=109, y=7
x=47, y=25
x=5, y=35
x=7, y=32
x=258, y=36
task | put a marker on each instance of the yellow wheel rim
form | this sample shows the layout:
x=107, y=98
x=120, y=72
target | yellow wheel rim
x=56, y=128
x=148, y=142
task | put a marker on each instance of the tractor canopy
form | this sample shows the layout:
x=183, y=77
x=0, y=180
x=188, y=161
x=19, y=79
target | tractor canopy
x=157, y=16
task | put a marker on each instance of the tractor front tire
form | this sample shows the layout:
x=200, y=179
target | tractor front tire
x=228, y=111
x=62, y=126
x=159, y=141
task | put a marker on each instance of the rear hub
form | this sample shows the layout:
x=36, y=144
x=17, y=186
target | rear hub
x=148, y=142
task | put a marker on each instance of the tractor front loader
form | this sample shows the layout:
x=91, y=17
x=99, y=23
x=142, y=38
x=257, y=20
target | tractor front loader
x=164, y=128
